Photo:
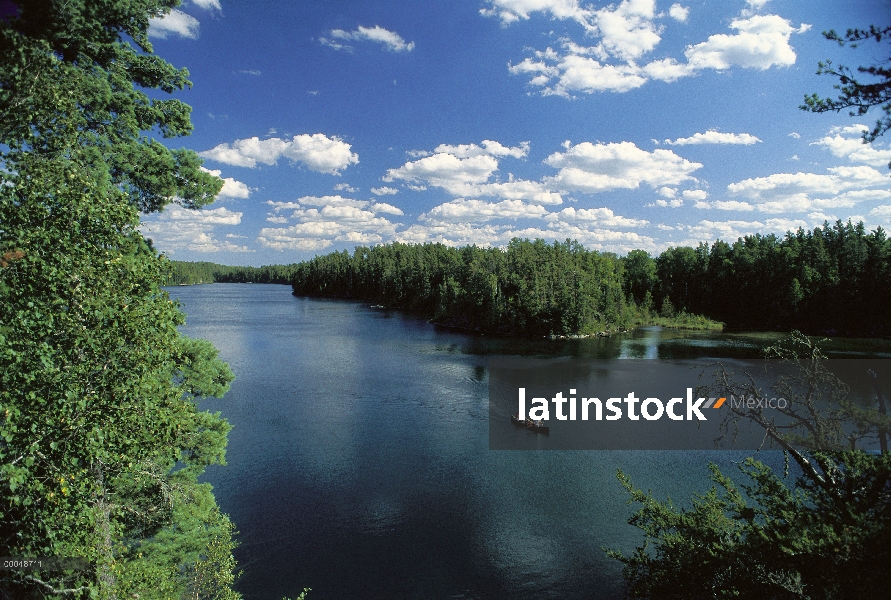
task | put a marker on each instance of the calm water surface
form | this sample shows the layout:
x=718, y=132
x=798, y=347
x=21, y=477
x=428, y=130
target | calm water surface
x=359, y=466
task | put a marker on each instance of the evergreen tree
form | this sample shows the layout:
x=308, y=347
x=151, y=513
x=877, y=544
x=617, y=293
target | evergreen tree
x=101, y=440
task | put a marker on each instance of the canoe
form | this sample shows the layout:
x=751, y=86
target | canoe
x=530, y=425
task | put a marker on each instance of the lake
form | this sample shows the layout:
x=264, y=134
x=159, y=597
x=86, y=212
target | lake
x=358, y=463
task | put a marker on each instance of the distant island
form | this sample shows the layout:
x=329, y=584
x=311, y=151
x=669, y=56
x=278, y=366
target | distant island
x=833, y=279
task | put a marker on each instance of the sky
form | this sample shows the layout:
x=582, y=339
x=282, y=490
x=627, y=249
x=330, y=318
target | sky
x=640, y=124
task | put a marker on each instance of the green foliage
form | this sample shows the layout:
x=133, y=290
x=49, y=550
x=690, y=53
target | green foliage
x=825, y=537
x=101, y=439
x=853, y=92
x=531, y=288
x=189, y=273
x=766, y=540
x=834, y=277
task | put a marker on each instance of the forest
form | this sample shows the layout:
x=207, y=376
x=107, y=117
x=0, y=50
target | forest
x=190, y=273
x=832, y=279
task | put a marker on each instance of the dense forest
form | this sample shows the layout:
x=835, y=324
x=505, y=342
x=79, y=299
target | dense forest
x=528, y=288
x=102, y=442
x=832, y=279
x=190, y=273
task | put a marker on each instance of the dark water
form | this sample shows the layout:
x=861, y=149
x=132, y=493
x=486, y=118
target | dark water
x=359, y=462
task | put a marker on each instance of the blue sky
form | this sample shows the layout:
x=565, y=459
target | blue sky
x=636, y=124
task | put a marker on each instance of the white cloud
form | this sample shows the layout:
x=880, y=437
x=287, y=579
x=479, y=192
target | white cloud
x=794, y=135
x=726, y=205
x=331, y=201
x=455, y=175
x=176, y=22
x=345, y=187
x=338, y=220
x=383, y=207
x=487, y=235
x=695, y=194
x=714, y=137
x=317, y=152
x=679, y=13
x=487, y=147
x=881, y=212
x=667, y=69
x=510, y=11
x=838, y=179
x=463, y=210
x=207, y=4
x=675, y=203
x=600, y=217
x=384, y=191
x=847, y=142
x=762, y=42
x=588, y=167
x=667, y=192
x=628, y=33
x=521, y=189
x=575, y=73
x=391, y=40
x=177, y=228
x=466, y=170
x=708, y=231
x=841, y=187
x=231, y=187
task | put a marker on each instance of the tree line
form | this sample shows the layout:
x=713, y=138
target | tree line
x=190, y=273
x=527, y=288
x=833, y=277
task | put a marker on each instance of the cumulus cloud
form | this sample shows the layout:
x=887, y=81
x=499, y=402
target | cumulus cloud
x=176, y=23
x=881, y=212
x=847, y=142
x=487, y=147
x=695, y=194
x=391, y=40
x=600, y=217
x=840, y=187
x=762, y=41
x=384, y=191
x=714, y=137
x=679, y=13
x=673, y=203
x=231, y=187
x=588, y=167
x=837, y=180
x=564, y=75
x=177, y=228
x=323, y=220
x=207, y=4
x=725, y=205
x=510, y=11
x=488, y=234
x=453, y=174
x=466, y=170
x=628, y=32
x=316, y=152
x=345, y=187
x=461, y=210
x=731, y=230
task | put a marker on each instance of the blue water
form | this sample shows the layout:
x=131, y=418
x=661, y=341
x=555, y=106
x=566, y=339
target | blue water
x=359, y=466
